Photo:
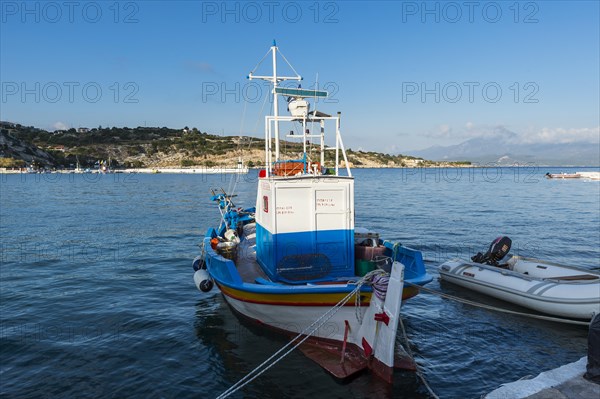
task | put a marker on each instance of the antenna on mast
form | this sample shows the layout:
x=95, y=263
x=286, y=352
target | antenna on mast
x=275, y=79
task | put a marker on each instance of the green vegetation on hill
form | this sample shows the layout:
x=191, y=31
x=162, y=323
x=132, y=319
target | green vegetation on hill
x=164, y=147
x=12, y=163
x=121, y=144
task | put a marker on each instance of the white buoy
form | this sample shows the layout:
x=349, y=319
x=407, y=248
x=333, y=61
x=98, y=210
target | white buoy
x=203, y=281
x=198, y=263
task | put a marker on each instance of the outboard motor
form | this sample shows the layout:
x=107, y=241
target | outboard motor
x=498, y=250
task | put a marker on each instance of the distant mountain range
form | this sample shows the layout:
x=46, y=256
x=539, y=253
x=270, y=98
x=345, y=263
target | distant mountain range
x=505, y=150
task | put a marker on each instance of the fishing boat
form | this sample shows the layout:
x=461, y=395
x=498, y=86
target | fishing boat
x=291, y=262
x=546, y=287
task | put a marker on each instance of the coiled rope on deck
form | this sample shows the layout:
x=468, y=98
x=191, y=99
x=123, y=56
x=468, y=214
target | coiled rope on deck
x=502, y=310
x=379, y=284
x=300, y=338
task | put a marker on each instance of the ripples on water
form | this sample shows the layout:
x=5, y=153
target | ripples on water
x=97, y=295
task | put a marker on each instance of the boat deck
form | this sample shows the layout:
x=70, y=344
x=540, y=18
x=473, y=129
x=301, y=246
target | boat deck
x=246, y=264
x=249, y=269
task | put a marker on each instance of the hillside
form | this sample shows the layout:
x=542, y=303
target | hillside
x=159, y=147
x=18, y=153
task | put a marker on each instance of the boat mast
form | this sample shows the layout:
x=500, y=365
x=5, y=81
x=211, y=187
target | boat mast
x=275, y=101
x=275, y=79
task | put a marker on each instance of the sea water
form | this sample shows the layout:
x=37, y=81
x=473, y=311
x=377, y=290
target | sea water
x=97, y=297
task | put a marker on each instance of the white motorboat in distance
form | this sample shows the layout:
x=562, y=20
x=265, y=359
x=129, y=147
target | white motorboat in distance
x=563, y=175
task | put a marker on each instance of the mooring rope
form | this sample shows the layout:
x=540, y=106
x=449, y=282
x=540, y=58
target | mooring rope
x=479, y=305
x=410, y=353
x=502, y=310
x=307, y=333
x=379, y=283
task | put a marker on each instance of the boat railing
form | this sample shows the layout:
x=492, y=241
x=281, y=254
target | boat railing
x=300, y=114
x=274, y=158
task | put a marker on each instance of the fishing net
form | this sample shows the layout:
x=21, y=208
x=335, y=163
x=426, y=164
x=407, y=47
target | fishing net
x=296, y=268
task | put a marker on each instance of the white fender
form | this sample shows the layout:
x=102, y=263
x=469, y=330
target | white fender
x=203, y=281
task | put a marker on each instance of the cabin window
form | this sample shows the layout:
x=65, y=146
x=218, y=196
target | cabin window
x=266, y=204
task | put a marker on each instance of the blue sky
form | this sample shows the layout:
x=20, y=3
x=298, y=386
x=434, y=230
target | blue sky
x=406, y=75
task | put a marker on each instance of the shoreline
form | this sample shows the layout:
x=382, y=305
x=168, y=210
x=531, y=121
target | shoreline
x=245, y=170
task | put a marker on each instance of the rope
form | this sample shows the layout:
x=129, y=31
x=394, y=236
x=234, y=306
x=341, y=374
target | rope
x=243, y=119
x=380, y=284
x=394, y=249
x=260, y=114
x=379, y=277
x=240, y=150
x=290, y=65
x=264, y=366
x=468, y=302
x=488, y=307
x=410, y=353
x=263, y=105
x=357, y=311
x=261, y=61
x=202, y=246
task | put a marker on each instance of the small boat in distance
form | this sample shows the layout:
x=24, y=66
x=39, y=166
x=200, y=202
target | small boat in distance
x=563, y=175
x=295, y=262
x=551, y=288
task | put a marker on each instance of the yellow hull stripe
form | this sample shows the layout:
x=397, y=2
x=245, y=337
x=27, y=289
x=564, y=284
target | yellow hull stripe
x=308, y=299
